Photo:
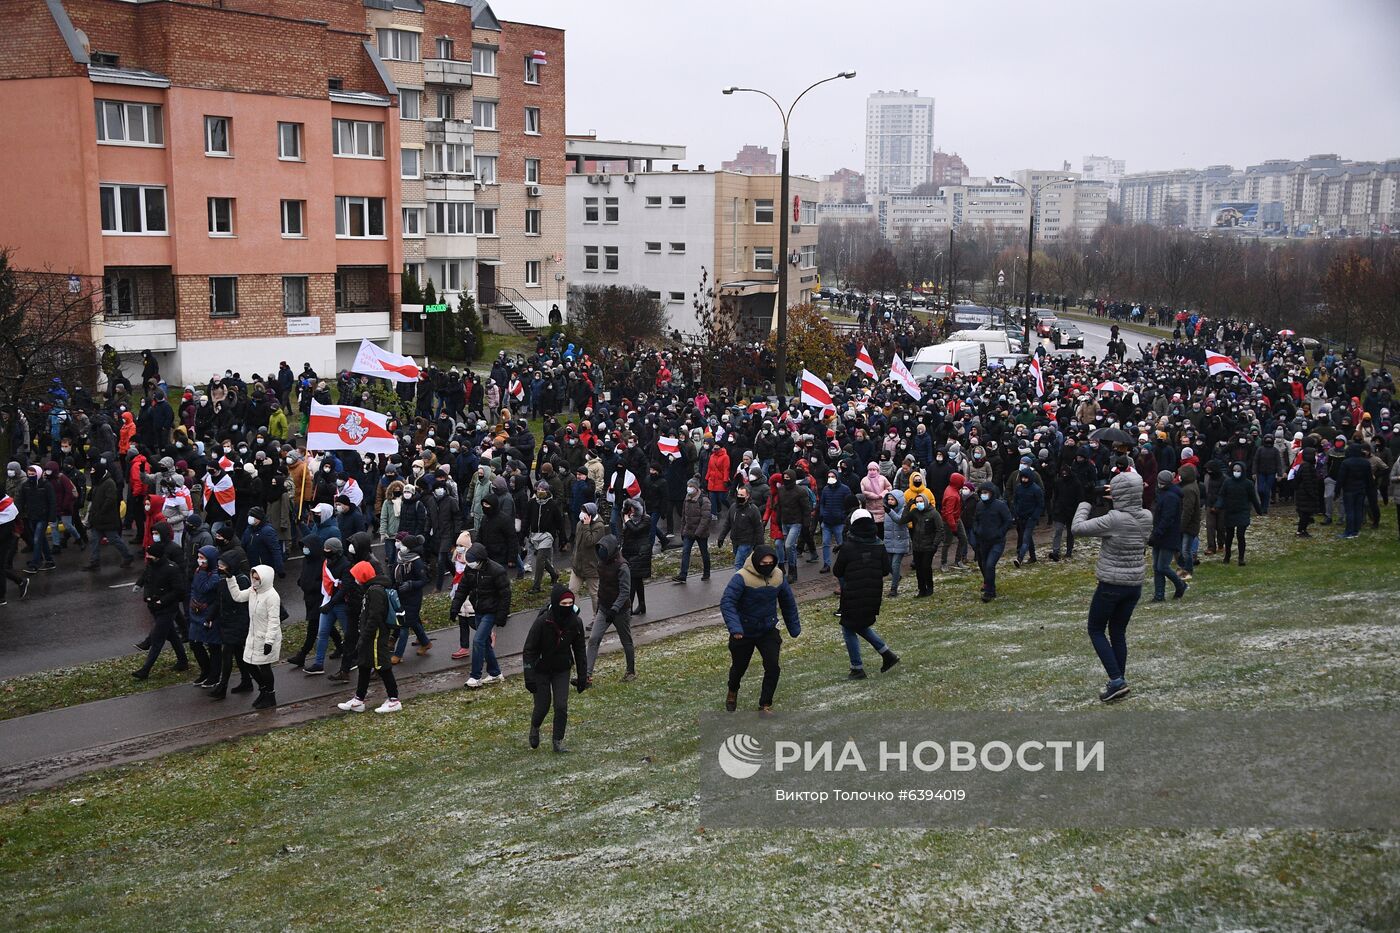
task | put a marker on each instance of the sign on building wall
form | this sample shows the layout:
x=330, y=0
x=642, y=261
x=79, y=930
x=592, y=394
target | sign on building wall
x=303, y=325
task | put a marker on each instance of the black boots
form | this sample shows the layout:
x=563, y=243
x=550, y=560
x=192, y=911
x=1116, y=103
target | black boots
x=731, y=701
x=891, y=659
x=534, y=737
x=559, y=746
x=244, y=686
x=267, y=699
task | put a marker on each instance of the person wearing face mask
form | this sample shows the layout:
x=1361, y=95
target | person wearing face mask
x=260, y=542
x=1165, y=539
x=104, y=519
x=543, y=528
x=203, y=633
x=925, y=537
x=37, y=505
x=410, y=578
x=831, y=512
x=164, y=589
x=750, y=606
x=231, y=616
x=263, y=644
x=1237, y=497
x=695, y=530
x=376, y=630
x=897, y=541
x=554, y=647
x=717, y=472
x=321, y=529
x=583, y=577
x=487, y=584
x=1125, y=530
x=861, y=566
x=1027, y=505
x=613, y=605
x=992, y=521
x=334, y=568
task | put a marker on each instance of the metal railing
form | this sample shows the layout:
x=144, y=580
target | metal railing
x=499, y=295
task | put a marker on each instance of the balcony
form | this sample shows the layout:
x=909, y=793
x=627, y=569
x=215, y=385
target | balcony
x=438, y=187
x=441, y=246
x=139, y=312
x=448, y=131
x=447, y=71
x=362, y=290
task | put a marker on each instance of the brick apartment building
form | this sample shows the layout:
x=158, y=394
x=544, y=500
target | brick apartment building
x=231, y=174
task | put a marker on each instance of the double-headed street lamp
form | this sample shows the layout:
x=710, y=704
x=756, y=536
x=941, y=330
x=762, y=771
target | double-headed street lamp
x=1034, y=194
x=780, y=363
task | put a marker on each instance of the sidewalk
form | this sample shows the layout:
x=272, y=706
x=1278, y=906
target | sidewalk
x=57, y=737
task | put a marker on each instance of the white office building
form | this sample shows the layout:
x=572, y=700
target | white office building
x=898, y=142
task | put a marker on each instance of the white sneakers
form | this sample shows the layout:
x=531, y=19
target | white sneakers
x=356, y=705
x=473, y=683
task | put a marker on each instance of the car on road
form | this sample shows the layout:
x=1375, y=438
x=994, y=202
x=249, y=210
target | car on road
x=1044, y=322
x=1065, y=335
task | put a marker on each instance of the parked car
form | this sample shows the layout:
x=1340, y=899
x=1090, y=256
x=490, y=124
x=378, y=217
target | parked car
x=1066, y=335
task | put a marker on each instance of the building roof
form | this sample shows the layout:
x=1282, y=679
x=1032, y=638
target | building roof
x=134, y=76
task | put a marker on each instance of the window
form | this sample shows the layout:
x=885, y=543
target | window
x=398, y=45
x=132, y=209
x=446, y=105
x=610, y=210
x=216, y=141
x=653, y=200
x=532, y=222
x=446, y=274
x=532, y=171
x=532, y=121
x=763, y=210
x=410, y=104
x=221, y=216
x=444, y=47
x=677, y=247
x=449, y=159
x=121, y=123
x=532, y=70
x=119, y=295
x=486, y=169
x=485, y=221
x=449, y=217
x=484, y=114
x=809, y=212
x=590, y=259
x=653, y=246
x=223, y=296
x=483, y=61
x=357, y=139
x=590, y=210
x=763, y=259
x=413, y=221
x=410, y=163
x=293, y=218
x=289, y=141
x=294, y=295
x=414, y=270
x=610, y=258
x=359, y=218
x=678, y=200
x=532, y=273
x=677, y=297
x=808, y=257
x=654, y=296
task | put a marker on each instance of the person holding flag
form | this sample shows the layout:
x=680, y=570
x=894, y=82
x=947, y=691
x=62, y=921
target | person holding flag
x=864, y=363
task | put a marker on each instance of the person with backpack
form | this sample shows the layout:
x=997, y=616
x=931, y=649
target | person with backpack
x=861, y=566
x=377, y=623
x=554, y=646
x=410, y=577
x=264, y=642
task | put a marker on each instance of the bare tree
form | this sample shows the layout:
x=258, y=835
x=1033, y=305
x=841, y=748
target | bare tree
x=46, y=330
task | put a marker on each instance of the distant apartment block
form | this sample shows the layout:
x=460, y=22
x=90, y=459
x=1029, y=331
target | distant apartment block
x=752, y=160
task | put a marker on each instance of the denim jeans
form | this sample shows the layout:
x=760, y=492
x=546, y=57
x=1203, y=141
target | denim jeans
x=741, y=554
x=1264, y=483
x=853, y=638
x=323, y=632
x=896, y=570
x=64, y=521
x=987, y=563
x=114, y=538
x=1110, y=609
x=787, y=553
x=1190, y=546
x=719, y=501
x=1354, y=505
x=1025, y=538
x=412, y=622
x=830, y=533
x=1162, y=572
x=39, y=540
x=687, y=542
x=1062, y=530
x=483, y=655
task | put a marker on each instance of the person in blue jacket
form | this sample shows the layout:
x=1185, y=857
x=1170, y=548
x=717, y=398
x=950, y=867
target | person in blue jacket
x=831, y=511
x=992, y=522
x=1027, y=505
x=1166, y=537
x=750, y=607
x=260, y=541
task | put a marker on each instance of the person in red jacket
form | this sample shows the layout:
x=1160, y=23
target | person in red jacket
x=717, y=479
x=136, y=502
x=950, y=504
x=128, y=431
x=65, y=496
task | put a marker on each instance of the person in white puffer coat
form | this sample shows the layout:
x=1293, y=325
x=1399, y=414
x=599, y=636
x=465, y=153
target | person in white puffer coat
x=263, y=648
x=1124, y=530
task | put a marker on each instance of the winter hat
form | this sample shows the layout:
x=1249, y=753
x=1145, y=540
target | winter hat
x=363, y=572
x=333, y=545
x=1187, y=452
x=1165, y=477
x=591, y=508
x=858, y=514
x=343, y=500
x=413, y=542
x=167, y=463
x=323, y=510
x=258, y=513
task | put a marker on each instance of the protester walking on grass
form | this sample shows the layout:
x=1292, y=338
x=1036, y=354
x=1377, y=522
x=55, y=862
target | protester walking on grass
x=1237, y=498
x=554, y=647
x=897, y=541
x=264, y=642
x=992, y=521
x=1124, y=528
x=376, y=630
x=750, y=606
x=614, y=605
x=862, y=565
x=1166, y=537
x=926, y=535
x=583, y=572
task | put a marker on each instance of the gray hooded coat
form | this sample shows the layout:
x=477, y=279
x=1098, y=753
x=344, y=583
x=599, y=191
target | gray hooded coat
x=1124, y=529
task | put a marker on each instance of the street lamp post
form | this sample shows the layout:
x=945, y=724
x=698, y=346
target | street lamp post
x=1034, y=194
x=780, y=362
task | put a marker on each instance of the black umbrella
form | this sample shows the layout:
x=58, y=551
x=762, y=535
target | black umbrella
x=1111, y=436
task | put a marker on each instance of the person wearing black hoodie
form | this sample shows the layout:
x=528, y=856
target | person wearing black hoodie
x=487, y=584
x=232, y=618
x=554, y=646
x=993, y=521
x=410, y=578
x=614, y=605
x=862, y=565
x=373, y=647
x=358, y=547
x=165, y=589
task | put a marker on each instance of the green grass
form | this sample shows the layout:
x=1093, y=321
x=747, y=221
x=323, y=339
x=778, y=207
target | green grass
x=441, y=818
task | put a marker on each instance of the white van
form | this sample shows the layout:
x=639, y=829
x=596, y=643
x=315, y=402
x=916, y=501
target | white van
x=963, y=355
x=995, y=341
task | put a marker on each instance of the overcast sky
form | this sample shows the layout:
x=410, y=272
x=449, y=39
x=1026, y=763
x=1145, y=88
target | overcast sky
x=1018, y=84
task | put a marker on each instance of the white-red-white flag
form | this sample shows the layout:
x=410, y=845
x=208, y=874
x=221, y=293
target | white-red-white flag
x=344, y=427
x=901, y=374
x=516, y=388
x=374, y=361
x=8, y=510
x=668, y=446
x=815, y=392
x=538, y=57
x=1218, y=364
x=629, y=485
x=864, y=363
x=329, y=582
x=353, y=492
x=221, y=492
x=1038, y=376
